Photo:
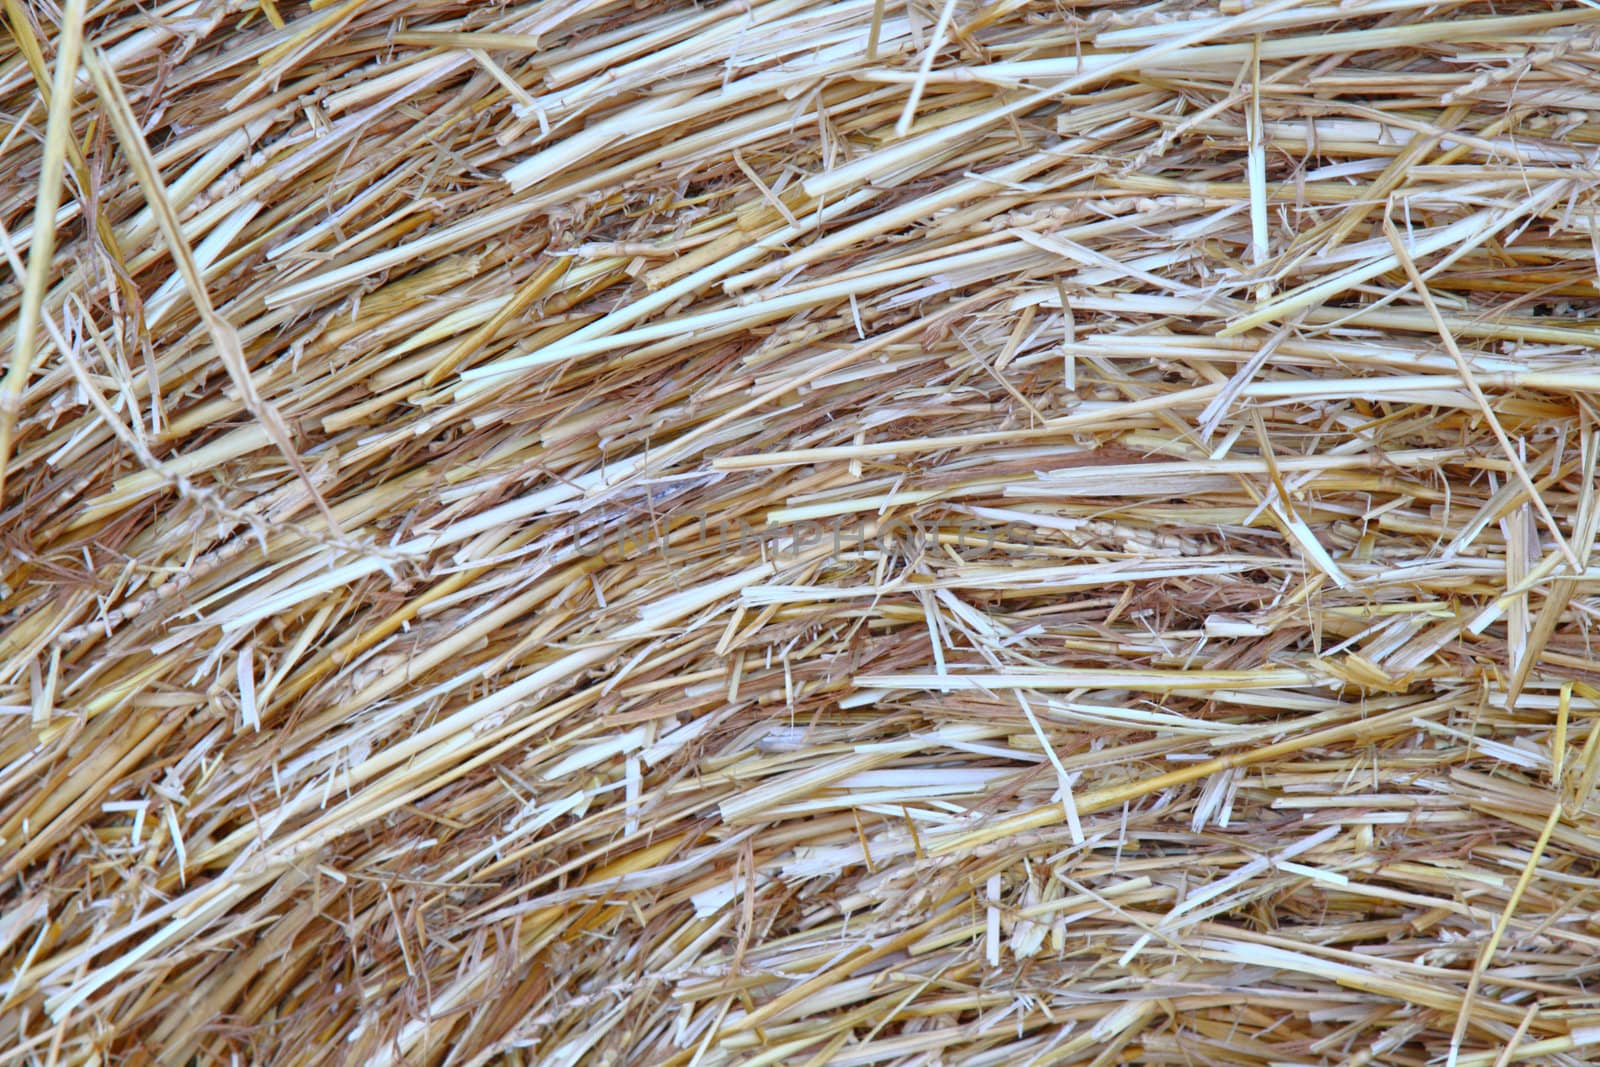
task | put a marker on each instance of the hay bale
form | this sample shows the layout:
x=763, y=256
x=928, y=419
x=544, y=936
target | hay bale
x=798, y=532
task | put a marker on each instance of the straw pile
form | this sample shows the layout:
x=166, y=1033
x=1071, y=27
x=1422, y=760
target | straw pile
x=799, y=532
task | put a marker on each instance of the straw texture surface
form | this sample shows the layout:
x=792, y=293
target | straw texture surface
x=799, y=532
